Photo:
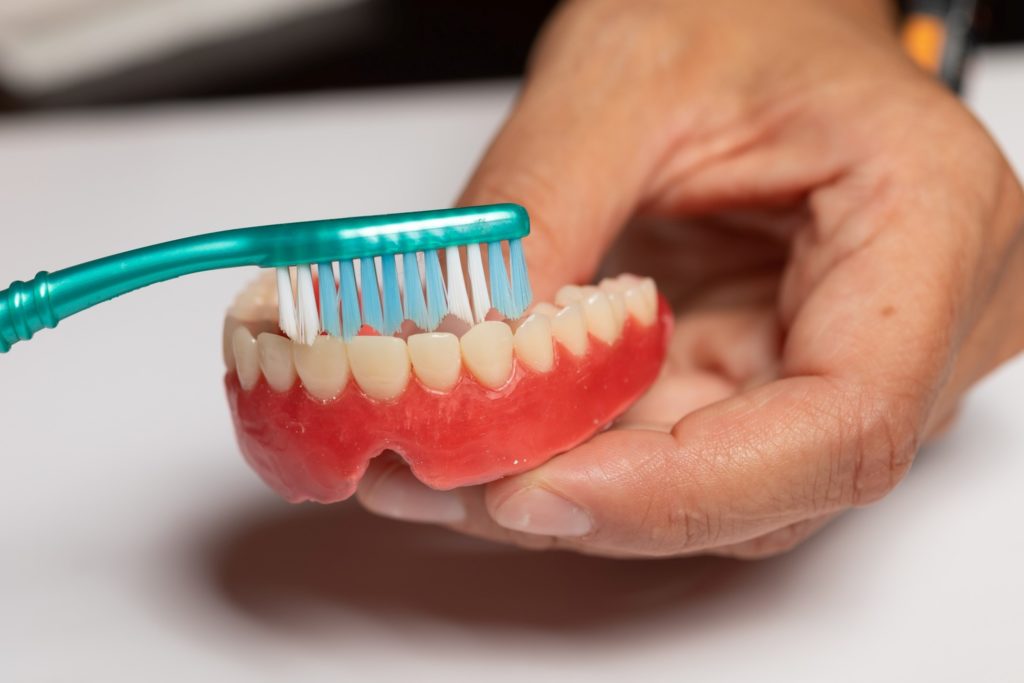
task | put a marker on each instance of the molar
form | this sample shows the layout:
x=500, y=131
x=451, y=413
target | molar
x=642, y=302
x=380, y=365
x=487, y=352
x=436, y=359
x=275, y=354
x=322, y=367
x=546, y=309
x=532, y=341
x=568, y=294
x=617, y=300
x=600, y=317
x=570, y=328
x=247, y=361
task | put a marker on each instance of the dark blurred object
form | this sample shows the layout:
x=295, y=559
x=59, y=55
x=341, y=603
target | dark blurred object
x=354, y=44
x=375, y=42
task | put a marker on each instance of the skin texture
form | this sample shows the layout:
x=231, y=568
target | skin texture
x=840, y=238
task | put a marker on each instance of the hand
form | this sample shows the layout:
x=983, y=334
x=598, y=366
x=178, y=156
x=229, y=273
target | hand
x=840, y=238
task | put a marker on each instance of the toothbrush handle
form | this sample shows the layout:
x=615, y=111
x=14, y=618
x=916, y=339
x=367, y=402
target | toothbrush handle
x=25, y=308
x=48, y=298
x=28, y=307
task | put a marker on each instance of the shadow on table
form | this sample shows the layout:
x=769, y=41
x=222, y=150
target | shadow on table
x=271, y=566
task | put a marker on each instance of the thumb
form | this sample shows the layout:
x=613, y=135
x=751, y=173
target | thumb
x=573, y=156
x=727, y=473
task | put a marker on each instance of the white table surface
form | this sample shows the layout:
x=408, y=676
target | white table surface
x=135, y=545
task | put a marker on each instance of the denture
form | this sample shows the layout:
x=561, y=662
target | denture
x=461, y=407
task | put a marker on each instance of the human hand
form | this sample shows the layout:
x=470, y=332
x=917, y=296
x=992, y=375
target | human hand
x=840, y=238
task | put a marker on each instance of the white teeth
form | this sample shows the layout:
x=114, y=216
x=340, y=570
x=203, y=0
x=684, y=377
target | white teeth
x=487, y=353
x=322, y=367
x=618, y=304
x=436, y=359
x=533, y=343
x=614, y=284
x=380, y=365
x=650, y=291
x=568, y=294
x=570, y=328
x=228, y=339
x=642, y=302
x=600, y=317
x=545, y=309
x=276, y=361
x=247, y=361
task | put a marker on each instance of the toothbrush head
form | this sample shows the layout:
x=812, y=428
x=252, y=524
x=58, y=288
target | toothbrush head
x=398, y=275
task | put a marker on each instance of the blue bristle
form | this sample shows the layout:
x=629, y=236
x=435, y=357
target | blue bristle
x=522, y=295
x=392, y=296
x=415, y=309
x=371, y=299
x=501, y=295
x=437, y=302
x=328, y=300
x=351, y=320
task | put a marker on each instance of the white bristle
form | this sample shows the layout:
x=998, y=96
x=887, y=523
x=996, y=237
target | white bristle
x=308, y=316
x=478, y=283
x=287, y=318
x=458, y=299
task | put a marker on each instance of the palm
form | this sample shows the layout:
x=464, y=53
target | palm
x=721, y=278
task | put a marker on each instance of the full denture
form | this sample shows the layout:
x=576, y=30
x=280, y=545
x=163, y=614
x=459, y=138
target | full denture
x=502, y=398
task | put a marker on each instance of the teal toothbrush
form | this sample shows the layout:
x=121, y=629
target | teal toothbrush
x=380, y=296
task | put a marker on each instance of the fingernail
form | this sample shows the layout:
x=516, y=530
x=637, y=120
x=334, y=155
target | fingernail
x=537, y=511
x=400, y=495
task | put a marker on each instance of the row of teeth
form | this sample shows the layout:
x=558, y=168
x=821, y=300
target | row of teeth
x=382, y=366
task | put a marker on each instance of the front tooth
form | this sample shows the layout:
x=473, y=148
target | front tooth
x=436, y=358
x=247, y=360
x=570, y=328
x=380, y=365
x=533, y=343
x=487, y=352
x=600, y=317
x=322, y=367
x=276, y=360
x=641, y=305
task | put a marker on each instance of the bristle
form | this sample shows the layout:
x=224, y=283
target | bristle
x=522, y=294
x=458, y=299
x=371, y=299
x=350, y=318
x=415, y=308
x=478, y=283
x=392, y=296
x=437, y=307
x=309, y=317
x=328, y=300
x=287, y=319
x=501, y=294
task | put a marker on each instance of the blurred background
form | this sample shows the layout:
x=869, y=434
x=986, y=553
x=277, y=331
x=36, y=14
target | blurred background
x=61, y=53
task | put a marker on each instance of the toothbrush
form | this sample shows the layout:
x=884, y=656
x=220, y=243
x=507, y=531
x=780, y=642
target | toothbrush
x=386, y=294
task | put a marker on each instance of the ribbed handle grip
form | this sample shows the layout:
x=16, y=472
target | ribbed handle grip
x=25, y=308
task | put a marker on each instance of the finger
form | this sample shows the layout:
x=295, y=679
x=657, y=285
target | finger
x=389, y=488
x=575, y=151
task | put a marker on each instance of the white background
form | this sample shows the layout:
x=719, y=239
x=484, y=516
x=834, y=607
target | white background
x=135, y=545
